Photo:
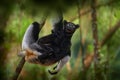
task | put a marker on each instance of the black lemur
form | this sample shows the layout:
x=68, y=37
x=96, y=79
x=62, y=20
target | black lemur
x=49, y=49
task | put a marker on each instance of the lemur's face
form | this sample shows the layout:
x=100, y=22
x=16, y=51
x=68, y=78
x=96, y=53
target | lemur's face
x=70, y=27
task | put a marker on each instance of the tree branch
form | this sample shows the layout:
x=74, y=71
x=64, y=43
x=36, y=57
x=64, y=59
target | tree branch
x=107, y=37
x=89, y=10
x=19, y=68
x=98, y=75
x=110, y=33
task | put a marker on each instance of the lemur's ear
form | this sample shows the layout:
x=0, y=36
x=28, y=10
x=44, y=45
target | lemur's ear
x=77, y=26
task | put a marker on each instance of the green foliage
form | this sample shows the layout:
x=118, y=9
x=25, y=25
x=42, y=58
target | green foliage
x=17, y=24
x=24, y=14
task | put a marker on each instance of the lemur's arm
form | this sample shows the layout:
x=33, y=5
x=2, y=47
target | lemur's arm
x=57, y=25
x=57, y=21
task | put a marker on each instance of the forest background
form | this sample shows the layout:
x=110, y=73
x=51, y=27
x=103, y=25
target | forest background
x=99, y=22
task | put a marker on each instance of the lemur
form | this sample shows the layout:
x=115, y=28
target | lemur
x=49, y=49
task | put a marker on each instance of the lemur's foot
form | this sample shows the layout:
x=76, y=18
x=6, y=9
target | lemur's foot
x=54, y=67
x=52, y=72
x=31, y=57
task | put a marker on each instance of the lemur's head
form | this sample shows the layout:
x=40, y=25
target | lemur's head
x=70, y=27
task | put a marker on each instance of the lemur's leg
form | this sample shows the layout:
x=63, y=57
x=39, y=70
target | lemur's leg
x=61, y=63
x=46, y=39
x=46, y=43
x=30, y=37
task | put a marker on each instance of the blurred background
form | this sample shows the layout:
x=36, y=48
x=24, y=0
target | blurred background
x=101, y=27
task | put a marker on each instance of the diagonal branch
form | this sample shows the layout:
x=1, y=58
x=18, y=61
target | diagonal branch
x=107, y=37
x=19, y=68
x=110, y=33
x=89, y=10
x=89, y=58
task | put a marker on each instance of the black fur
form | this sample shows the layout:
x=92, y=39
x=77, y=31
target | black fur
x=59, y=41
x=55, y=46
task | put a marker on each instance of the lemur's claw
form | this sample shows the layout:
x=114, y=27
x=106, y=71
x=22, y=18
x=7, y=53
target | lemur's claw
x=52, y=73
x=54, y=67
